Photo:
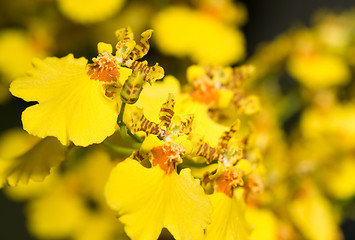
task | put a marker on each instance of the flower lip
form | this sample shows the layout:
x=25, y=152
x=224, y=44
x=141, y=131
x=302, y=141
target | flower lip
x=167, y=156
x=105, y=68
x=205, y=91
x=229, y=179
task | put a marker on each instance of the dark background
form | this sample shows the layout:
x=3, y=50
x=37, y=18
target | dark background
x=266, y=20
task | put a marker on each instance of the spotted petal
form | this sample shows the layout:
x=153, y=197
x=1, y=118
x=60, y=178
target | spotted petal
x=125, y=43
x=142, y=47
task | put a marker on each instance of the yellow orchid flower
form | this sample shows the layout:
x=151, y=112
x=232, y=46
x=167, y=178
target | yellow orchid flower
x=228, y=217
x=17, y=49
x=203, y=38
x=313, y=67
x=339, y=180
x=89, y=11
x=161, y=192
x=153, y=96
x=72, y=204
x=71, y=106
x=319, y=70
x=57, y=214
x=162, y=198
x=128, y=53
x=77, y=102
x=219, y=87
x=24, y=157
x=311, y=207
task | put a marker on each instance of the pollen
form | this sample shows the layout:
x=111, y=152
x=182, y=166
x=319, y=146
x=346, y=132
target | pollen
x=105, y=68
x=229, y=179
x=167, y=156
x=205, y=91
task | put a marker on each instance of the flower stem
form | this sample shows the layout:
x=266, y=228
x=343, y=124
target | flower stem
x=118, y=149
x=120, y=115
x=134, y=136
x=123, y=128
x=189, y=163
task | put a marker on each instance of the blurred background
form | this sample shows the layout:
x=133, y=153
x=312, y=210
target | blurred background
x=43, y=28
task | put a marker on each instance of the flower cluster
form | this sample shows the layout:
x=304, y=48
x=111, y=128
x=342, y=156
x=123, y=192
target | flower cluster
x=186, y=171
x=118, y=147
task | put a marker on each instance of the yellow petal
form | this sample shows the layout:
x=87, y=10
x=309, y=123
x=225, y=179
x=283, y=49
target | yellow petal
x=150, y=142
x=319, y=71
x=203, y=125
x=249, y=105
x=149, y=74
x=125, y=43
x=34, y=164
x=148, y=200
x=313, y=214
x=102, y=47
x=201, y=37
x=89, y=11
x=228, y=219
x=56, y=215
x=32, y=189
x=153, y=96
x=264, y=224
x=245, y=166
x=143, y=46
x=16, y=53
x=100, y=226
x=339, y=180
x=72, y=107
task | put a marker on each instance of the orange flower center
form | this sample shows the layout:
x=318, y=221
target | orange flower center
x=167, y=156
x=230, y=178
x=205, y=91
x=105, y=69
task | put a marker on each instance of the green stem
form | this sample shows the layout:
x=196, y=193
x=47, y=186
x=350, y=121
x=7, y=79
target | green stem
x=190, y=163
x=118, y=149
x=134, y=136
x=123, y=128
x=120, y=115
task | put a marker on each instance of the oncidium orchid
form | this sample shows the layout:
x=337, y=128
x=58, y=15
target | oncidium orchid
x=206, y=148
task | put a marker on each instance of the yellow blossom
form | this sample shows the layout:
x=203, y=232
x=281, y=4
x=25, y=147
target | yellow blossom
x=24, y=157
x=319, y=71
x=221, y=88
x=312, y=66
x=203, y=125
x=100, y=226
x=64, y=216
x=228, y=11
x=32, y=189
x=339, y=180
x=17, y=49
x=160, y=199
x=201, y=37
x=89, y=11
x=71, y=106
x=128, y=52
x=311, y=207
x=72, y=204
x=331, y=125
x=153, y=96
x=77, y=102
